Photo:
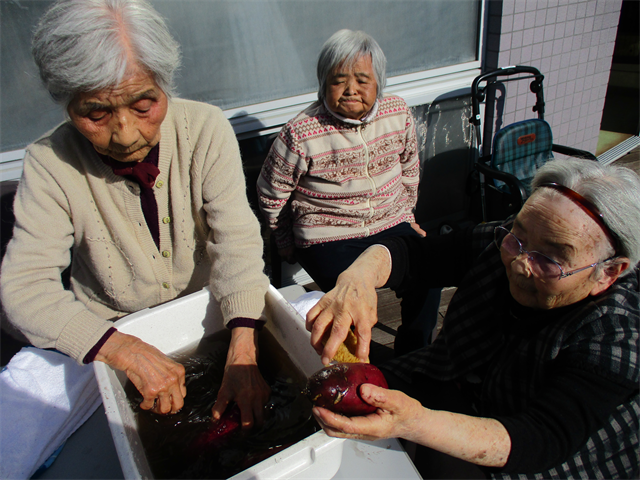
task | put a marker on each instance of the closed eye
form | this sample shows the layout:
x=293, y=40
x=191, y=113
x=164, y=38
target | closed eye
x=97, y=115
x=142, y=106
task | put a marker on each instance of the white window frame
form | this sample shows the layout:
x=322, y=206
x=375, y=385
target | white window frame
x=415, y=88
x=11, y=165
x=265, y=118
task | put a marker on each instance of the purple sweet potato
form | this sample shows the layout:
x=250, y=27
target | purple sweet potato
x=219, y=431
x=337, y=387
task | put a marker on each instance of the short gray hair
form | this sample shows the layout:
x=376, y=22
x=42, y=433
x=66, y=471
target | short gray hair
x=347, y=46
x=615, y=190
x=87, y=45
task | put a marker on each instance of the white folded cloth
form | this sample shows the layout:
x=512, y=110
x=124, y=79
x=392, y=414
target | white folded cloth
x=306, y=301
x=44, y=397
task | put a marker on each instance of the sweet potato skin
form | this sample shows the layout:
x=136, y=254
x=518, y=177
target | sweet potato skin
x=337, y=387
x=219, y=431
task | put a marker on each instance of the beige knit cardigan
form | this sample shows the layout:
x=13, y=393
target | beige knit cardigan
x=69, y=204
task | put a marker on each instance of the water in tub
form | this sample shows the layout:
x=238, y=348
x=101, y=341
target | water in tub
x=189, y=445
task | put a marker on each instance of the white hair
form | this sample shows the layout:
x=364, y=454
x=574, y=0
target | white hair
x=614, y=190
x=346, y=46
x=88, y=45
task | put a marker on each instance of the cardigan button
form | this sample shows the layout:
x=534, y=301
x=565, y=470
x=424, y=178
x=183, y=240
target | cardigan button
x=166, y=220
x=165, y=285
x=159, y=184
x=166, y=253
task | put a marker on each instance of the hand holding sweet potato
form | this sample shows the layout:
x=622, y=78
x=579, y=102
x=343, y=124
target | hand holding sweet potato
x=337, y=387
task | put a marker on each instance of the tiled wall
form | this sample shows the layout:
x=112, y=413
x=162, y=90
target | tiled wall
x=571, y=42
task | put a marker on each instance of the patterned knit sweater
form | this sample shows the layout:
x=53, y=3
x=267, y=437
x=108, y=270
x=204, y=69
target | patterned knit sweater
x=326, y=180
x=68, y=200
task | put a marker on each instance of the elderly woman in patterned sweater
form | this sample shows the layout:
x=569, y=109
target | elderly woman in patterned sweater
x=535, y=372
x=344, y=174
x=145, y=192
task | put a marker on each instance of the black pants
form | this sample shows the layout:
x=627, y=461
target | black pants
x=419, y=309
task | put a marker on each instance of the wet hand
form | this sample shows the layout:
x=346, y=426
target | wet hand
x=242, y=382
x=160, y=380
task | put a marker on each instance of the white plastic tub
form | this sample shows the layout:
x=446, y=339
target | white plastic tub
x=178, y=324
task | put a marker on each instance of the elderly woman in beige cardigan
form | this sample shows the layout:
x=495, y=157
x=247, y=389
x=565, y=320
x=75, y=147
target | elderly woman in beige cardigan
x=146, y=193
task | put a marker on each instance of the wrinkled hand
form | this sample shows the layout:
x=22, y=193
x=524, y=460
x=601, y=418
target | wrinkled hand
x=483, y=441
x=242, y=381
x=418, y=229
x=398, y=416
x=288, y=254
x=353, y=301
x=159, y=379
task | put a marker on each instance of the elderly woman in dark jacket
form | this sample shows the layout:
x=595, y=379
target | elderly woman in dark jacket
x=535, y=372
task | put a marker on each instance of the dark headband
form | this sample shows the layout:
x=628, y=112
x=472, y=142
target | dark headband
x=588, y=207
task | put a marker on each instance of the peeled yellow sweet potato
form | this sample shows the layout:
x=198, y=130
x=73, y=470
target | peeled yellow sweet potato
x=347, y=350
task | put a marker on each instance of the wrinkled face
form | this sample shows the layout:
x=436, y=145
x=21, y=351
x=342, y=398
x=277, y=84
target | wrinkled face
x=560, y=229
x=351, y=92
x=124, y=121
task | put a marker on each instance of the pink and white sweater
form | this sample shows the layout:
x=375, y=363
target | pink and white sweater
x=326, y=180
